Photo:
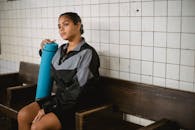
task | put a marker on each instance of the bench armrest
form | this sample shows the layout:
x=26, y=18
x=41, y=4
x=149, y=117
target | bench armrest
x=22, y=94
x=81, y=114
x=163, y=124
x=9, y=112
x=9, y=79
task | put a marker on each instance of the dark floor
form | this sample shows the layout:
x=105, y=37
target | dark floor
x=5, y=123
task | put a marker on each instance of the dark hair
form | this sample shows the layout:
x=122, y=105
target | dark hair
x=75, y=18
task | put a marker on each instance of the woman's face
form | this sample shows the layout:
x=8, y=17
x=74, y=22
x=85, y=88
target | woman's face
x=67, y=29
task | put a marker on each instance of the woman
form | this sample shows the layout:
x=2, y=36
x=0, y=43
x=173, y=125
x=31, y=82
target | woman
x=75, y=71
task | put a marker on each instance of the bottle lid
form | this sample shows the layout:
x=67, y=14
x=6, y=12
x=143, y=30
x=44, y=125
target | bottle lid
x=51, y=47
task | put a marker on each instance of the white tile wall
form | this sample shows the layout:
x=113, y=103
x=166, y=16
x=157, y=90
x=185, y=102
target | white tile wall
x=160, y=8
x=139, y=40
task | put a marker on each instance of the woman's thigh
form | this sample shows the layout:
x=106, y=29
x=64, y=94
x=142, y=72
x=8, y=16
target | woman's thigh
x=49, y=121
x=29, y=112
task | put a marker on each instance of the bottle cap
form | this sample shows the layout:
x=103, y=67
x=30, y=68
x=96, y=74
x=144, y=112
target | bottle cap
x=51, y=47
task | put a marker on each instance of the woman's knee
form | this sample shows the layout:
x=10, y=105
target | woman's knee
x=23, y=114
x=28, y=112
x=35, y=127
x=38, y=126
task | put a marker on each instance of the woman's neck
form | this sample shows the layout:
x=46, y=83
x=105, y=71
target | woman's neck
x=73, y=43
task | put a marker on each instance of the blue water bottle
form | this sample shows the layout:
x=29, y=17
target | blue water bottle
x=44, y=84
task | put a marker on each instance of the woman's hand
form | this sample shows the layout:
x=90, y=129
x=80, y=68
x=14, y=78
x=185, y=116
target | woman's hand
x=38, y=117
x=46, y=41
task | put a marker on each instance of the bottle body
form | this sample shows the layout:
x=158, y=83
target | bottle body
x=45, y=82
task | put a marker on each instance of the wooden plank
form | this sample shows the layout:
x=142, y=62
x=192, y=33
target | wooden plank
x=8, y=111
x=151, y=102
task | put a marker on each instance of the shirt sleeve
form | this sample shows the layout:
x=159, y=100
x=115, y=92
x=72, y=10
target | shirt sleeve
x=83, y=71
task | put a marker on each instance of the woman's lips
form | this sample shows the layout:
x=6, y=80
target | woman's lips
x=62, y=34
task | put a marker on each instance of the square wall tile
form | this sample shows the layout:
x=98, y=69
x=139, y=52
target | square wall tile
x=104, y=9
x=104, y=62
x=174, y=24
x=114, y=23
x=147, y=23
x=104, y=72
x=103, y=1
x=135, y=66
x=114, y=10
x=173, y=40
x=87, y=23
x=124, y=51
x=172, y=71
x=172, y=84
x=187, y=57
x=160, y=39
x=186, y=73
x=159, y=81
x=124, y=75
x=135, y=38
x=123, y=1
x=187, y=41
x=124, y=37
x=188, y=8
x=135, y=23
x=95, y=36
x=114, y=37
x=124, y=65
x=113, y=1
x=86, y=2
x=160, y=54
x=146, y=79
x=135, y=8
x=104, y=49
x=160, y=24
x=114, y=74
x=95, y=23
x=95, y=10
x=104, y=36
x=94, y=1
x=124, y=9
x=188, y=24
x=124, y=23
x=147, y=67
x=159, y=69
x=174, y=8
x=114, y=50
x=147, y=38
x=147, y=53
x=114, y=63
x=160, y=8
x=173, y=56
x=104, y=23
x=147, y=8
x=186, y=86
x=135, y=77
x=135, y=52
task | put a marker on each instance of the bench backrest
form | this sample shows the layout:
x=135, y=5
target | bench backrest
x=28, y=72
x=151, y=102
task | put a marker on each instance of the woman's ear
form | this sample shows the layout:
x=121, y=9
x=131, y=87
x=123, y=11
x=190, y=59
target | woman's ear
x=78, y=26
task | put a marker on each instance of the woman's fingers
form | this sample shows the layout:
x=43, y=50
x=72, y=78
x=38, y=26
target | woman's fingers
x=46, y=41
x=38, y=117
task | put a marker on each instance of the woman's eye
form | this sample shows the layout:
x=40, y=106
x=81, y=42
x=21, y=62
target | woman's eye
x=65, y=24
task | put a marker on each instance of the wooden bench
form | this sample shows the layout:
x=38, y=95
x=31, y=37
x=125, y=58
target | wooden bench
x=169, y=109
x=18, y=89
